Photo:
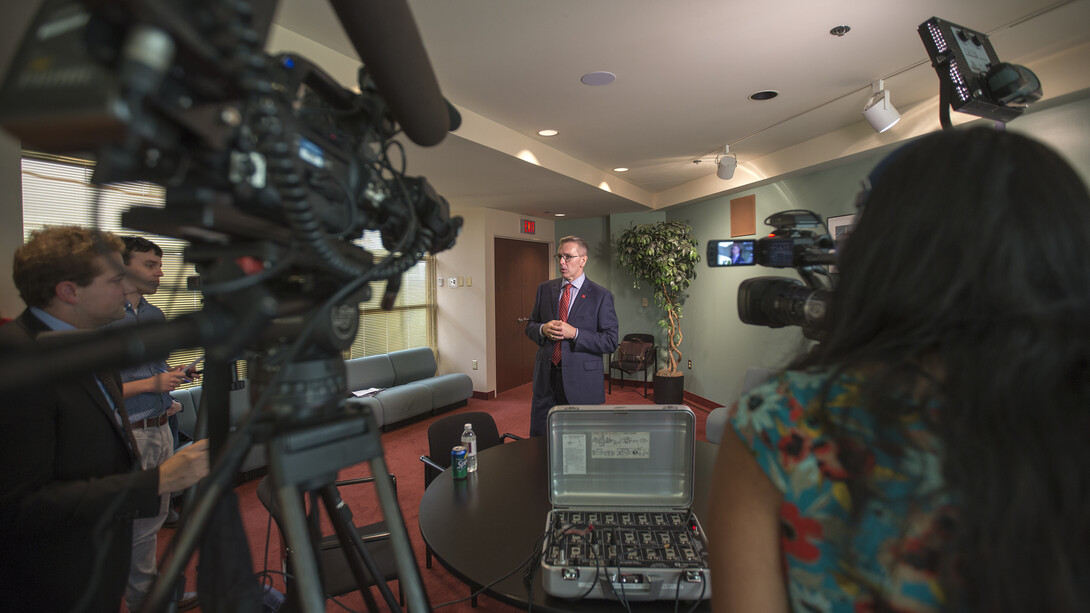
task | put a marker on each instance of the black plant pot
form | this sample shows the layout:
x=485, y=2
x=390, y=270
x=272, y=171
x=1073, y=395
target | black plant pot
x=669, y=390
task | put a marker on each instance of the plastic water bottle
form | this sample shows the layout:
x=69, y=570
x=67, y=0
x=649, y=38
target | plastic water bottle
x=469, y=441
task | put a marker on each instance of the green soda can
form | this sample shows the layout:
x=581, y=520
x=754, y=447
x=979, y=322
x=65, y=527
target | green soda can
x=458, y=462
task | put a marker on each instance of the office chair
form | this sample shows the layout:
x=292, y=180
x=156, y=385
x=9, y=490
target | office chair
x=446, y=433
x=635, y=353
x=336, y=575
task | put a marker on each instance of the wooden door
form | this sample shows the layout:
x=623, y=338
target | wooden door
x=520, y=267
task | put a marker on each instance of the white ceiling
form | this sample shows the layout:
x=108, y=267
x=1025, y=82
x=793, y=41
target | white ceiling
x=685, y=69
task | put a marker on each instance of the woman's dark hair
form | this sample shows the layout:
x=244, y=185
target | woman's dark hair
x=966, y=284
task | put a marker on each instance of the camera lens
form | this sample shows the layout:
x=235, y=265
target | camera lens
x=776, y=302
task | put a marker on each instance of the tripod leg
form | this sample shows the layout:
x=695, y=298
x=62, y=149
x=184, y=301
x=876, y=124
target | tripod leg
x=314, y=530
x=408, y=571
x=304, y=567
x=355, y=550
x=193, y=525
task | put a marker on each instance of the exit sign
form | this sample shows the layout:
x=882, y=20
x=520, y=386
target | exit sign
x=529, y=226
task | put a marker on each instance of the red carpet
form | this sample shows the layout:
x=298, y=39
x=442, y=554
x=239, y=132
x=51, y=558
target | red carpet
x=402, y=448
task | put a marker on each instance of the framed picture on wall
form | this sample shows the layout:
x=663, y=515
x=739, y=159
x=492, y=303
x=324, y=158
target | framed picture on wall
x=839, y=228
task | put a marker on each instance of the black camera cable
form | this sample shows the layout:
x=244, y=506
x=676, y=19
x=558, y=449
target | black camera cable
x=534, y=555
x=621, y=597
x=594, y=543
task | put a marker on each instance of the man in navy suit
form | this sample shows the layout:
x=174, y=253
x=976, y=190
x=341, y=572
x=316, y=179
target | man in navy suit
x=574, y=324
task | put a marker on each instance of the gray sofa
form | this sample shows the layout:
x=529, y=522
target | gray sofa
x=410, y=389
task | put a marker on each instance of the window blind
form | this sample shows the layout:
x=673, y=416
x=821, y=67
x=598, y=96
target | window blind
x=411, y=322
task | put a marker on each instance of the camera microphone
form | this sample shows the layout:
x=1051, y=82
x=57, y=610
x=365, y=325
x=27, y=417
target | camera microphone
x=455, y=116
x=385, y=36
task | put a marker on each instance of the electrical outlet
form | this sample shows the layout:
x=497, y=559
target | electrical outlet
x=474, y=364
x=441, y=282
x=469, y=281
x=644, y=303
x=453, y=281
x=690, y=364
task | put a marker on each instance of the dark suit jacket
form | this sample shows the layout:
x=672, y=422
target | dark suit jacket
x=591, y=311
x=68, y=491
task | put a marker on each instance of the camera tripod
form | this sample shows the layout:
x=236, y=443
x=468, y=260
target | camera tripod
x=299, y=411
x=303, y=460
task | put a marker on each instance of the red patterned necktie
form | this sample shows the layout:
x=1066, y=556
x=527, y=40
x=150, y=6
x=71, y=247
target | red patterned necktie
x=565, y=300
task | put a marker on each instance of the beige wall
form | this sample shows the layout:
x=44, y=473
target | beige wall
x=16, y=18
x=11, y=222
x=467, y=315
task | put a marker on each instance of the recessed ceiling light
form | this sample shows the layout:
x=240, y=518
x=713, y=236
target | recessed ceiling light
x=767, y=94
x=559, y=214
x=548, y=132
x=840, y=30
x=598, y=78
x=620, y=169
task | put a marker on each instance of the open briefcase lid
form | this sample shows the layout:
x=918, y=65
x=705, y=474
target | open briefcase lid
x=621, y=456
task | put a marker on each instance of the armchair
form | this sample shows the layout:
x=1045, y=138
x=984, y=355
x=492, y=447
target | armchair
x=635, y=353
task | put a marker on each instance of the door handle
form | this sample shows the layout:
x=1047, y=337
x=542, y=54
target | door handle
x=523, y=319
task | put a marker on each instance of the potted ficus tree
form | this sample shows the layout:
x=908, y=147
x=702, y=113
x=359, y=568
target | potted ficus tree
x=664, y=255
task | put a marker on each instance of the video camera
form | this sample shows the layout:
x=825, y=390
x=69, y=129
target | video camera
x=777, y=301
x=792, y=244
x=263, y=156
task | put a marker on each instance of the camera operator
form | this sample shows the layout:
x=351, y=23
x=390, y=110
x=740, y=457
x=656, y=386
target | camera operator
x=928, y=455
x=71, y=483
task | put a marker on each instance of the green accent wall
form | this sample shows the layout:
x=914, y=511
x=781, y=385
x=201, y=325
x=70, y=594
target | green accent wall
x=719, y=344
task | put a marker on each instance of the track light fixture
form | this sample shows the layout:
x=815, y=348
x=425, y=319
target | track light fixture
x=879, y=111
x=725, y=165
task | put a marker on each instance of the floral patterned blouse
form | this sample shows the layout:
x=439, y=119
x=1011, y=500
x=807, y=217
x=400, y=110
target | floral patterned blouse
x=832, y=563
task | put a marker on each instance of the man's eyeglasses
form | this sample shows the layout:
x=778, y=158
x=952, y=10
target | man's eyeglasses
x=565, y=257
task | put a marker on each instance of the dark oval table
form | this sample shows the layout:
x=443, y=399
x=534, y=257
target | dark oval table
x=486, y=526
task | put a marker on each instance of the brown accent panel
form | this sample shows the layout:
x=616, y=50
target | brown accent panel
x=743, y=216
x=520, y=267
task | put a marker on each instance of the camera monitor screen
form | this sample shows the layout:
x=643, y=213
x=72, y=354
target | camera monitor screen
x=730, y=252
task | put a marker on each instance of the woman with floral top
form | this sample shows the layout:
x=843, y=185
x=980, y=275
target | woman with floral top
x=930, y=455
